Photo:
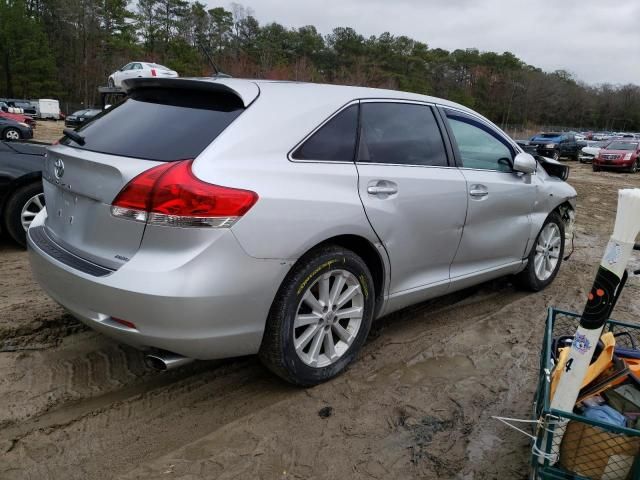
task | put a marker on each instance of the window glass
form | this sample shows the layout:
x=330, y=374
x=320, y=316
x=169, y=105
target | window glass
x=160, y=124
x=335, y=141
x=137, y=66
x=479, y=148
x=400, y=133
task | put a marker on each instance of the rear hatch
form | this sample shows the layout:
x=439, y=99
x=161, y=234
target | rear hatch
x=161, y=121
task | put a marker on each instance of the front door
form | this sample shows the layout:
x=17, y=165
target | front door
x=497, y=228
x=415, y=200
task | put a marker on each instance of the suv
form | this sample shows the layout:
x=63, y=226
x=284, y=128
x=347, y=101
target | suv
x=618, y=155
x=556, y=145
x=209, y=218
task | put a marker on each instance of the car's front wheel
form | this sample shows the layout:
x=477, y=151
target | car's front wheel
x=21, y=208
x=545, y=257
x=556, y=155
x=634, y=167
x=320, y=317
x=11, y=134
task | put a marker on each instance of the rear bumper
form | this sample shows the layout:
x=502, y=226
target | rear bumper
x=201, y=301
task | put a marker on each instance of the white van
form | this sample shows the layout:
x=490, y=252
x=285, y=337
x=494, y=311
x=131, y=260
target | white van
x=48, y=108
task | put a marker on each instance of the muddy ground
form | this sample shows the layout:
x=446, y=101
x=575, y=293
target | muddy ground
x=48, y=130
x=417, y=404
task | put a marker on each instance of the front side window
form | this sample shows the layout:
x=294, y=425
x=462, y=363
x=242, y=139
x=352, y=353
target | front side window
x=401, y=134
x=335, y=141
x=479, y=147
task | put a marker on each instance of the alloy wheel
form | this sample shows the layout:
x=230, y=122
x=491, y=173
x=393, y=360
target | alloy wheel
x=31, y=209
x=547, y=251
x=328, y=318
x=12, y=134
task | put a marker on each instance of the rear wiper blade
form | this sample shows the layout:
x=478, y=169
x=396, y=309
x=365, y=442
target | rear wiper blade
x=73, y=135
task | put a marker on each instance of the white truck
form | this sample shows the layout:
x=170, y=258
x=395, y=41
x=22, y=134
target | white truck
x=47, y=108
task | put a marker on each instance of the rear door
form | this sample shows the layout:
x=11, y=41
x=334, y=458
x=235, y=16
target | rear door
x=415, y=200
x=153, y=125
x=497, y=227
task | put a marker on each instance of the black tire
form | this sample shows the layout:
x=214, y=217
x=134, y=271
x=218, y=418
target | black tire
x=594, y=168
x=13, y=211
x=10, y=134
x=527, y=279
x=277, y=351
x=633, y=168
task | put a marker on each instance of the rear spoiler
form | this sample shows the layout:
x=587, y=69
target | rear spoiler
x=246, y=90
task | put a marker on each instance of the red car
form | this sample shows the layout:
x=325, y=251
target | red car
x=620, y=155
x=19, y=118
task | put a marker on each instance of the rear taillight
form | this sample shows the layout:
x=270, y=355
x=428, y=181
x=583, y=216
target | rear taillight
x=153, y=72
x=171, y=195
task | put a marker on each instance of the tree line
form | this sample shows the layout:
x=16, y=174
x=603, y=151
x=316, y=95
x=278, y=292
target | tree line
x=66, y=48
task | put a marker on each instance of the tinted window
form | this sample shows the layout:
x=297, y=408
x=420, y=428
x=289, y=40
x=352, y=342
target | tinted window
x=334, y=141
x=160, y=124
x=479, y=146
x=400, y=133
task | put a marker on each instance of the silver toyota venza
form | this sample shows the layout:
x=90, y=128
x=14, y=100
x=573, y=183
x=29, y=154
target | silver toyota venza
x=210, y=218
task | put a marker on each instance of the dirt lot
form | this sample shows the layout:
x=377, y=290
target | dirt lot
x=417, y=404
x=48, y=130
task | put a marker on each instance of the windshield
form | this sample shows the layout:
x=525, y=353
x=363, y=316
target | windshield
x=622, y=146
x=549, y=135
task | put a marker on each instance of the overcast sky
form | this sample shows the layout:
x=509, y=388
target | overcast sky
x=596, y=40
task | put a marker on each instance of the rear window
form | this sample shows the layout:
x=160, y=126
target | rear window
x=160, y=124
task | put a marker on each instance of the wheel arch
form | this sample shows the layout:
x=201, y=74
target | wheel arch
x=366, y=250
x=565, y=209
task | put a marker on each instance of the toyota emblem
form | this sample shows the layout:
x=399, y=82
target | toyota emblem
x=58, y=168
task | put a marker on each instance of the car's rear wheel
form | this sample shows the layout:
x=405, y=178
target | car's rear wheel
x=545, y=257
x=21, y=208
x=11, y=134
x=320, y=317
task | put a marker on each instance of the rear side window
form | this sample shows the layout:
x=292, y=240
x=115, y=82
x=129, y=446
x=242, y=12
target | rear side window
x=400, y=133
x=160, y=124
x=334, y=141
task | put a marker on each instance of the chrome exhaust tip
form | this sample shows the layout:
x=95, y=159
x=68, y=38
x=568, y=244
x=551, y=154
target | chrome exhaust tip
x=165, y=360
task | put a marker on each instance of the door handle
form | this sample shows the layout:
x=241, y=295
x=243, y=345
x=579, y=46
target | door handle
x=382, y=187
x=478, y=191
x=377, y=190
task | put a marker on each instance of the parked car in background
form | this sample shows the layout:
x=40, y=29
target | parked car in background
x=12, y=130
x=81, y=116
x=618, y=155
x=526, y=146
x=296, y=258
x=555, y=145
x=590, y=150
x=140, y=70
x=25, y=105
x=21, y=197
x=19, y=118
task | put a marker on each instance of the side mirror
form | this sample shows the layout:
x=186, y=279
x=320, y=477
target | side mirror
x=524, y=163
